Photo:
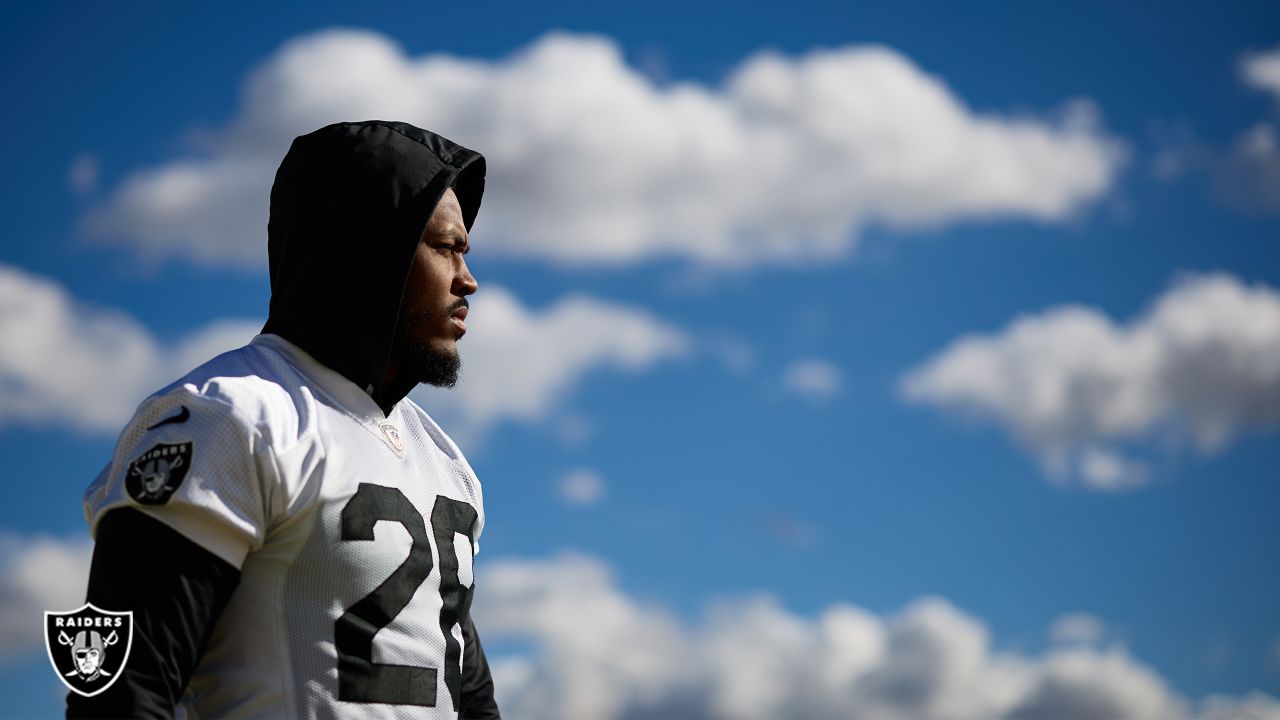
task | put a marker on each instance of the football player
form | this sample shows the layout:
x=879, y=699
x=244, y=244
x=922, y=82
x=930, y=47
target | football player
x=294, y=535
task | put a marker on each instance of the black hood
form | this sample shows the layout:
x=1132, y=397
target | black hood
x=348, y=207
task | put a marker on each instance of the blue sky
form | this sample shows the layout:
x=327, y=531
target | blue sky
x=959, y=321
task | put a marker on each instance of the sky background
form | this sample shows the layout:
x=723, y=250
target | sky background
x=910, y=360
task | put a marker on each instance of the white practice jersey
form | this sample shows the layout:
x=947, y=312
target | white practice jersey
x=354, y=534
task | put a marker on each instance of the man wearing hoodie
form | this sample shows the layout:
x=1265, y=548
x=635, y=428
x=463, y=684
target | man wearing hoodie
x=293, y=535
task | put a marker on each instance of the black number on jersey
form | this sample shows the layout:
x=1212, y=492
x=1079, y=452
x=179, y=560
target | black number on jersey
x=359, y=678
x=448, y=517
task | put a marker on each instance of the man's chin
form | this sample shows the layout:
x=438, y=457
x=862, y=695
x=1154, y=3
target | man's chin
x=436, y=365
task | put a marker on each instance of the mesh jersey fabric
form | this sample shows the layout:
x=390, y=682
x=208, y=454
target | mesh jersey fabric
x=354, y=534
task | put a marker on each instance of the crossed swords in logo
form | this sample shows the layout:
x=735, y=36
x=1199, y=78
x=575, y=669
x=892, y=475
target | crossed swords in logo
x=156, y=473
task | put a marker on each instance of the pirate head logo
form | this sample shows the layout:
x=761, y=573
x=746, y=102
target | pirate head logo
x=88, y=650
x=158, y=472
x=88, y=647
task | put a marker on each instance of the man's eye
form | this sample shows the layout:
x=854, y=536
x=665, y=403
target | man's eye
x=452, y=249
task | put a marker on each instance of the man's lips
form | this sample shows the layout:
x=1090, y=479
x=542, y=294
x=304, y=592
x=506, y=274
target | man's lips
x=459, y=319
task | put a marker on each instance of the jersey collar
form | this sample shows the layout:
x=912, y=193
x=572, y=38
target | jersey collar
x=345, y=393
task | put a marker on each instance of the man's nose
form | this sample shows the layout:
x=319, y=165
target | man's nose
x=464, y=283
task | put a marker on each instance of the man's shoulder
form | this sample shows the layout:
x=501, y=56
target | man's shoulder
x=249, y=386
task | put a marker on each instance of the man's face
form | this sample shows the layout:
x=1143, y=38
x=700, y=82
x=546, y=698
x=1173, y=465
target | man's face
x=434, y=309
x=87, y=660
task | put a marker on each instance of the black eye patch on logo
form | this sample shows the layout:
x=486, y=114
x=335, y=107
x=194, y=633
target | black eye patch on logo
x=158, y=472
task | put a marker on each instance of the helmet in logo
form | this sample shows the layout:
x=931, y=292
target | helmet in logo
x=89, y=650
x=156, y=474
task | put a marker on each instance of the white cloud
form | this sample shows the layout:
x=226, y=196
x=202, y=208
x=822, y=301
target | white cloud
x=1107, y=470
x=209, y=212
x=736, y=356
x=600, y=651
x=1248, y=176
x=1262, y=71
x=592, y=163
x=813, y=378
x=791, y=530
x=37, y=574
x=574, y=429
x=1245, y=176
x=1091, y=684
x=64, y=362
x=596, y=652
x=1070, y=383
x=520, y=363
x=1081, y=628
x=1254, y=706
x=582, y=487
x=83, y=174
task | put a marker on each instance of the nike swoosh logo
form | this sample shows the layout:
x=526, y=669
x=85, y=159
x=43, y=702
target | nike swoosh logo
x=181, y=417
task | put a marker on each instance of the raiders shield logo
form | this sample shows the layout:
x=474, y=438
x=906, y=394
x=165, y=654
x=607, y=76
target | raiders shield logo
x=154, y=476
x=88, y=647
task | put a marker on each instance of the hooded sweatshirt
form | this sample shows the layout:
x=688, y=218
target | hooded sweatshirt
x=348, y=207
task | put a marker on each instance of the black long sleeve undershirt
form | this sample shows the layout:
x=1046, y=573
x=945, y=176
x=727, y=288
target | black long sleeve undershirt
x=477, y=684
x=176, y=590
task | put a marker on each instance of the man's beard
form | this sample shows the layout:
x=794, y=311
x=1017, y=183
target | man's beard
x=419, y=361
x=428, y=365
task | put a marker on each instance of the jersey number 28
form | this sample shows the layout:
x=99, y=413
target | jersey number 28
x=359, y=678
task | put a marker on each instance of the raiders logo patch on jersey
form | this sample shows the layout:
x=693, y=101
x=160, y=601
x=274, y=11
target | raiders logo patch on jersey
x=158, y=472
